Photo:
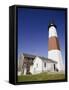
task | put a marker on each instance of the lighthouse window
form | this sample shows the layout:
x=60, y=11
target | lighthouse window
x=45, y=64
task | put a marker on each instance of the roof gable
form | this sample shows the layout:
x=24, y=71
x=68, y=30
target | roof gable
x=29, y=55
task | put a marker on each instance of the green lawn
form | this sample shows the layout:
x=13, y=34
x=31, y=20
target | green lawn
x=41, y=76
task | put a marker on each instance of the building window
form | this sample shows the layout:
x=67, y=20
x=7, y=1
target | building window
x=54, y=67
x=45, y=64
x=37, y=65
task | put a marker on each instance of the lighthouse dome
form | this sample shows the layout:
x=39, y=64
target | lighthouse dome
x=52, y=23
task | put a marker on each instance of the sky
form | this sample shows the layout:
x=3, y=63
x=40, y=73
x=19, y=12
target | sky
x=33, y=30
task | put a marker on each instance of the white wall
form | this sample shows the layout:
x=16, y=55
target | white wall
x=21, y=58
x=57, y=58
x=4, y=41
x=40, y=67
x=37, y=65
x=50, y=67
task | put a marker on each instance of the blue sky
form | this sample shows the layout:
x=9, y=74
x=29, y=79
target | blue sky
x=33, y=30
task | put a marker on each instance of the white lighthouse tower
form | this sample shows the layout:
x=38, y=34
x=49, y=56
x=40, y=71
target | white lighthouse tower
x=54, y=51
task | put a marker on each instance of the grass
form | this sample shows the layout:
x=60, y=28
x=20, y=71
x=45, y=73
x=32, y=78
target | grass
x=41, y=76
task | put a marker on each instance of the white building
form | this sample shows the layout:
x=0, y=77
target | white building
x=42, y=64
x=30, y=64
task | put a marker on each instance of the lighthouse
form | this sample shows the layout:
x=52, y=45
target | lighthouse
x=54, y=51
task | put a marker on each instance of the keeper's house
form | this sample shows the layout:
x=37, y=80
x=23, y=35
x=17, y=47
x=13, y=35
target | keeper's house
x=31, y=64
